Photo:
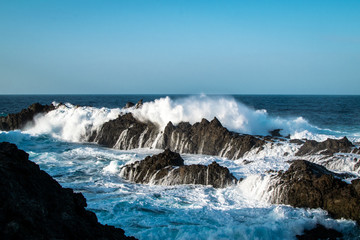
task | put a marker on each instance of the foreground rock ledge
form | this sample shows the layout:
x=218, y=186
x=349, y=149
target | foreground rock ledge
x=167, y=168
x=35, y=206
x=310, y=185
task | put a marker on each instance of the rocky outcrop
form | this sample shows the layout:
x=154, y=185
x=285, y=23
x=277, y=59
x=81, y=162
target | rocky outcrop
x=35, y=206
x=209, y=138
x=328, y=147
x=23, y=118
x=168, y=168
x=309, y=185
x=205, y=137
x=126, y=132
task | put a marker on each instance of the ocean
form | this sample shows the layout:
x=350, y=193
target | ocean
x=57, y=142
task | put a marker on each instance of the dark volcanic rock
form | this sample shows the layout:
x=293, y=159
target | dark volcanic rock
x=126, y=132
x=209, y=138
x=139, y=104
x=307, y=184
x=328, y=147
x=320, y=232
x=26, y=116
x=129, y=105
x=168, y=168
x=35, y=206
x=275, y=133
x=205, y=137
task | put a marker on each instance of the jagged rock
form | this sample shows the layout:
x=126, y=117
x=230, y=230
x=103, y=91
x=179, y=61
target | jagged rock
x=126, y=132
x=209, y=138
x=328, y=147
x=167, y=168
x=26, y=116
x=310, y=185
x=129, y=105
x=206, y=137
x=35, y=206
x=320, y=232
x=275, y=133
x=139, y=104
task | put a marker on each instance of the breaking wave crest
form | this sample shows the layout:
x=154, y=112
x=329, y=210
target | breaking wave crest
x=232, y=114
x=74, y=123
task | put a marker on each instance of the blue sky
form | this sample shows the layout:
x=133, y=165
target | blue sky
x=214, y=47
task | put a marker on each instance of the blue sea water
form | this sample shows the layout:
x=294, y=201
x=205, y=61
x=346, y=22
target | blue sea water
x=188, y=212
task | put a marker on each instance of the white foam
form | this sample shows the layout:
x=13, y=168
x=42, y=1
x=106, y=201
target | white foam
x=72, y=123
x=232, y=114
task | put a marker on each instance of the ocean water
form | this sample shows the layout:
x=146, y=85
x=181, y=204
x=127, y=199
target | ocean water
x=57, y=142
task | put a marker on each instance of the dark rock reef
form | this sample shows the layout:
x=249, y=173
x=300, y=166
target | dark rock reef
x=328, y=147
x=210, y=138
x=26, y=116
x=167, y=168
x=310, y=185
x=35, y=206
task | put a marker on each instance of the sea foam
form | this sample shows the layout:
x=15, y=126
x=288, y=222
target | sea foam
x=232, y=114
x=77, y=123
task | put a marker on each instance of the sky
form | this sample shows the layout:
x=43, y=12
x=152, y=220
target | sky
x=179, y=47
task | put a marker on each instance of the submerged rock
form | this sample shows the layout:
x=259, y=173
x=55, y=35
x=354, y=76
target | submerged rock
x=328, y=147
x=310, y=185
x=167, y=168
x=26, y=116
x=35, y=206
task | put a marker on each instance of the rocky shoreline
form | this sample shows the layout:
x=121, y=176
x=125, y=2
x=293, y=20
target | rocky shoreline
x=204, y=137
x=304, y=184
x=34, y=206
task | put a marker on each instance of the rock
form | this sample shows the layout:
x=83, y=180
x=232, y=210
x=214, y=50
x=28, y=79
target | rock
x=310, y=185
x=320, y=232
x=126, y=132
x=167, y=168
x=204, y=137
x=296, y=141
x=275, y=133
x=35, y=206
x=26, y=116
x=328, y=147
x=209, y=138
x=139, y=104
x=129, y=105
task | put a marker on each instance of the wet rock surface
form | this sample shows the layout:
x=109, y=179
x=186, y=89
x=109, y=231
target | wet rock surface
x=126, y=132
x=35, y=206
x=327, y=147
x=205, y=137
x=23, y=118
x=167, y=168
x=310, y=185
x=209, y=138
x=320, y=232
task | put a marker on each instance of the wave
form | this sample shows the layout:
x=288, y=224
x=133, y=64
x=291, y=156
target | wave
x=234, y=115
x=76, y=124
x=72, y=123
